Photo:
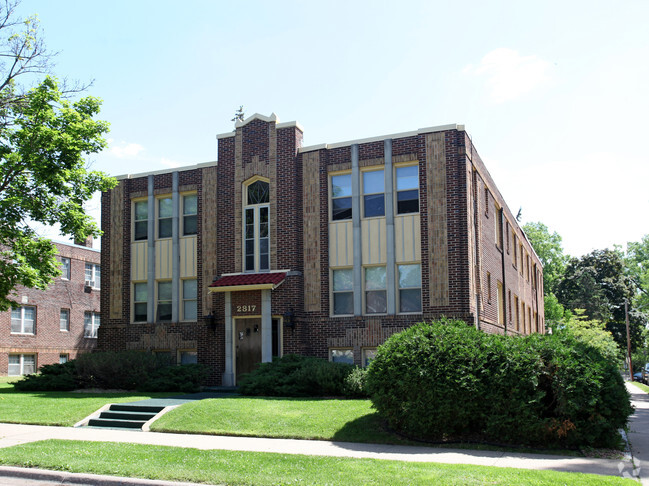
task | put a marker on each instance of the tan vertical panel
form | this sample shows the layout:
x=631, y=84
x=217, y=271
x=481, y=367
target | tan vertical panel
x=341, y=244
x=407, y=238
x=437, y=220
x=272, y=177
x=116, y=250
x=311, y=211
x=139, y=259
x=188, y=266
x=208, y=236
x=373, y=237
x=163, y=256
x=238, y=180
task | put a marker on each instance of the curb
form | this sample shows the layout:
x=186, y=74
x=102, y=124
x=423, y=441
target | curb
x=83, y=479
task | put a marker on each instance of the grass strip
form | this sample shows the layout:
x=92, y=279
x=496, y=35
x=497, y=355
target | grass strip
x=642, y=386
x=261, y=468
x=340, y=420
x=57, y=408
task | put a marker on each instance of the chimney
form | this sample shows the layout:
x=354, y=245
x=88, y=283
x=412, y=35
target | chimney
x=87, y=243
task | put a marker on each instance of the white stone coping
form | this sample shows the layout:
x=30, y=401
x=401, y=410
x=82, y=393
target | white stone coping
x=168, y=171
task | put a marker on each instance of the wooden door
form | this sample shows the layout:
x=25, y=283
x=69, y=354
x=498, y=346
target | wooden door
x=248, y=345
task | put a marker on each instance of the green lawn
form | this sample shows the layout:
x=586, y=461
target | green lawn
x=642, y=386
x=260, y=468
x=56, y=408
x=343, y=420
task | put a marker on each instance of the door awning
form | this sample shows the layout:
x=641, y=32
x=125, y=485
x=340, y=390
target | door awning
x=248, y=281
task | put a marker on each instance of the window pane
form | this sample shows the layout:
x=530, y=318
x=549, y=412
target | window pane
x=375, y=278
x=410, y=300
x=140, y=292
x=141, y=210
x=16, y=320
x=407, y=177
x=343, y=279
x=408, y=201
x=29, y=316
x=141, y=230
x=89, y=272
x=190, y=204
x=29, y=364
x=164, y=312
x=164, y=290
x=140, y=312
x=190, y=225
x=14, y=365
x=409, y=276
x=189, y=289
x=250, y=262
x=164, y=228
x=264, y=261
x=376, y=302
x=341, y=185
x=258, y=192
x=368, y=355
x=373, y=182
x=165, y=208
x=374, y=205
x=250, y=247
x=343, y=303
x=64, y=320
x=342, y=356
x=189, y=310
x=63, y=358
x=341, y=208
x=188, y=357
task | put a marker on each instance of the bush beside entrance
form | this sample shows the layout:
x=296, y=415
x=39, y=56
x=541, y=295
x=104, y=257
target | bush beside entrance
x=448, y=381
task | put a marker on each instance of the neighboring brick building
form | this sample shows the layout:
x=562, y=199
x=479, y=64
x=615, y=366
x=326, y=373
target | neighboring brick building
x=54, y=325
x=323, y=250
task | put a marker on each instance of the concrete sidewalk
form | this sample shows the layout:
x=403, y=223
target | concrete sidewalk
x=12, y=434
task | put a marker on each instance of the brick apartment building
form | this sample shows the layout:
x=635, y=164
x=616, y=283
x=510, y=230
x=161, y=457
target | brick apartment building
x=54, y=325
x=324, y=250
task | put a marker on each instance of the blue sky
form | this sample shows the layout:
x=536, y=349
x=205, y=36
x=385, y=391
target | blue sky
x=554, y=94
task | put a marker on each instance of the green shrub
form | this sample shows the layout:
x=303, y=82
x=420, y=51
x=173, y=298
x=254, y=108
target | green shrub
x=297, y=376
x=53, y=377
x=181, y=378
x=123, y=370
x=447, y=380
x=355, y=383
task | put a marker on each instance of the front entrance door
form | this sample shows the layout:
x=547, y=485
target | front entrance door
x=248, y=345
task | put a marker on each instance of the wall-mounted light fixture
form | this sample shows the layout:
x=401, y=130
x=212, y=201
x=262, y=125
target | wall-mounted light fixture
x=288, y=318
x=210, y=319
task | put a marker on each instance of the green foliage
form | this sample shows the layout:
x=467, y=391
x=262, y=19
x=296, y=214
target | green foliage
x=54, y=377
x=356, y=383
x=548, y=248
x=297, y=376
x=637, y=266
x=182, y=378
x=593, y=333
x=122, y=370
x=447, y=380
x=43, y=174
x=554, y=311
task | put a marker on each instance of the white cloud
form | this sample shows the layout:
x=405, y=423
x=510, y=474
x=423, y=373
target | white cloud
x=125, y=150
x=510, y=75
x=170, y=163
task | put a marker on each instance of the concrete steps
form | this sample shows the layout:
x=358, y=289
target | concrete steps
x=127, y=416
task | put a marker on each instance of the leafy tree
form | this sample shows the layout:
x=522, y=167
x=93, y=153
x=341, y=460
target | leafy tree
x=44, y=137
x=594, y=333
x=597, y=282
x=548, y=247
x=637, y=265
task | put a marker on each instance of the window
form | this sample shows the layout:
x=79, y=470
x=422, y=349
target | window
x=21, y=364
x=164, y=301
x=190, y=215
x=409, y=288
x=368, y=355
x=408, y=189
x=515, y=254
x=163, y=357
x=341, y=355
x=165, y=213
x=64, y=358
x=65, y=268
x=375, y=290
x=486, y=200
x=189, y=356
x=501, y=304
x=373, y=193
x=498, y=217
x=343, y=291
x=507, y=236
x=64, y=320
x=488, y=288
x=93, y=275
x=140, y=302
x=22, y=320
x=257, y=227
x=141, y=219
x=90, y=324
x=520, y=252
x=189, y=299
x=509, y=295
x=517, y=322
x=341, y=197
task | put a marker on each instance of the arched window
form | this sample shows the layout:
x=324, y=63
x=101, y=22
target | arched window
x=256, y=229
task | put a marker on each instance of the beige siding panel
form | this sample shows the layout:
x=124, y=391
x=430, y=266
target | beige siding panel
x=139, y=258
x=188, y=267
x=116, y=250
x=163, y=258
x=311, y=208
x=373, y=237
x=437, y=230
x=407, y=238
x=208, y=241
x=341, y=244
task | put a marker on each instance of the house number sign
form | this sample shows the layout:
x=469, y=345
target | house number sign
x=246, y=308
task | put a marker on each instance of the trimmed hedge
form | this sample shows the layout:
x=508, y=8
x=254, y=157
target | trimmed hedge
x=123, y=370
x=448, y=381
x=300, y=376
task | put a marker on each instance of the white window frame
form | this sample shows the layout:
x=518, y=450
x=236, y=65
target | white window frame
x=332, y=198
x=64, y=327
x=187, y=215
x=22, y=321
x=66, y=268
x=135, y=302
x=93, y=271
x=398, y=191
x=159, y=218
x=160, y=301
x=375, y=290
x=370, y=193
x=256, y=210
x=91, y=323
x=21, y=364
x=64, y=358
x=400, y=288
x=188, y=351
x=341, y=291
x=189, y=299
x=145, y=203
